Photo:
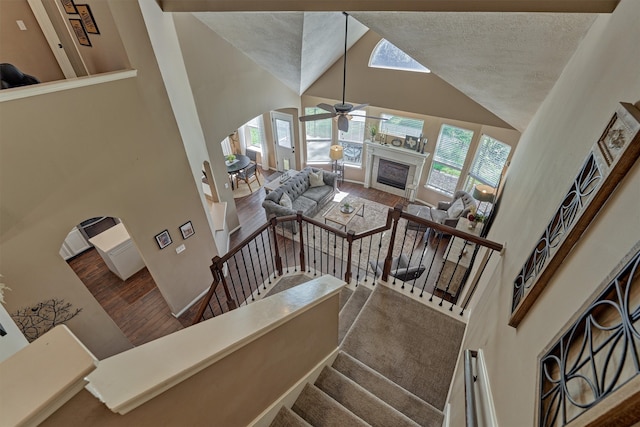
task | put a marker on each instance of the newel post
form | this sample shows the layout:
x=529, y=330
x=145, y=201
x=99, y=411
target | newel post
x=395, y=216
x=347, y=274
x=302, y=260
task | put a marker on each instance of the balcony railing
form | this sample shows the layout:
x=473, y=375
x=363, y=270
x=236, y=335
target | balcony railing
x=420, y=256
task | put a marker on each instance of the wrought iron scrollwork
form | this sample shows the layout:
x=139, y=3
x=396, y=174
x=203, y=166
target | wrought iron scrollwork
x=583, y=187
x=597, y=355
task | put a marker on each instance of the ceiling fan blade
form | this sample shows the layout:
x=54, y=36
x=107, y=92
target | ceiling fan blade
x=359, y=107
x=316, y=117
x=343, y=123
x=329, y=108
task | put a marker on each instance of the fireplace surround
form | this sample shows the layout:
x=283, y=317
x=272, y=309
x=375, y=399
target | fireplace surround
x=399, y=158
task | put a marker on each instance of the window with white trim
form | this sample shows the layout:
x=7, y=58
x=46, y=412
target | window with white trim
x=254, y=133
x=226, y=146
x=488, y=163
x=448, y=159
x=317, y=136
x=352, y=140
x=386, y=55
x=400, y=126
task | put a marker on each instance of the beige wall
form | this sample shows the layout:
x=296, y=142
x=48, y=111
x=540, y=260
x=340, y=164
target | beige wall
x=109, y=149
x=234, y=390
x=229, y=89
x=28, y=50
x=603, y=72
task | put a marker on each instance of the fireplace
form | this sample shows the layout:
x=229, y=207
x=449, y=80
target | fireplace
x=392, y=169
x=393, y=174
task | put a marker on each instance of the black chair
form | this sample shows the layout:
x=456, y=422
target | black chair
x=251, y=154
x=400, y=268
x=247, y=175
x=12, y=77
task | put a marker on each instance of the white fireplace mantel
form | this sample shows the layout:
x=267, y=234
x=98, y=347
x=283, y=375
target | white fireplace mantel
x=376, y=151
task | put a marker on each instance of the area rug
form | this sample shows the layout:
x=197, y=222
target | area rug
x=375, y=215
x=409, y=343
x=242, y=189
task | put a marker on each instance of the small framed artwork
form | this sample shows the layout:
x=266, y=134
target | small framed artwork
x=163, y=239
x=411, y=142
x=69, y=7
x=187, y=230
x=81, y=34
x=87, y=18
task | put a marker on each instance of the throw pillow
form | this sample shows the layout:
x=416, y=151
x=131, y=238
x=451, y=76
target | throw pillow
x=315, y=179
x=455, y=210
x=285, y=201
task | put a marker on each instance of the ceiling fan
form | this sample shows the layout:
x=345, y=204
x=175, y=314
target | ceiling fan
x=340, y=111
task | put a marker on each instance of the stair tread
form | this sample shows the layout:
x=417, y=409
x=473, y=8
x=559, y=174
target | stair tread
x=319, y=409
x=351, y=309
x=287, y=418
x=345, y=295
x=402, y=400
x=361, y=402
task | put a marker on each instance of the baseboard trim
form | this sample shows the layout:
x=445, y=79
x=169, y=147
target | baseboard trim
x=188, y=306
x=289, y=397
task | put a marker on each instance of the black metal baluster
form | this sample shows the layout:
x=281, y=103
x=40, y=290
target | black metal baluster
x=246, y=273
x=366, y=276
x=315, y=267
x=286, y=257
x=420, y=263
x=404, y=239
x=272, y=243
x=335, y=249
x=233, y=283
x=253, y=264
x=342, y=258
x=308, y=249
x=435, y=286
x=293, y=246
x=321, y=248
x=266, y=260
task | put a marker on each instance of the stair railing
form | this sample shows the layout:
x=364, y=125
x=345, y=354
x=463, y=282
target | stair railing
x=296, y=243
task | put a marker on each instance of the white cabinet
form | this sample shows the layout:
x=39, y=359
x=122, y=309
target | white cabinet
x=73, y=244
x=118, y=251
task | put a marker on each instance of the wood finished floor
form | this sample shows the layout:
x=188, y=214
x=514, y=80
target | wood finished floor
x=136, y=305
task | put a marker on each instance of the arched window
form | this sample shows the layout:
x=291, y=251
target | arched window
x=386, y=55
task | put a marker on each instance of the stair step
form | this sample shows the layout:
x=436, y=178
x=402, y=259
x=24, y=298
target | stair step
x=287, y=418
x=362, y=403
x=351, y=310
x=318, y=409
x=402, y=400
x=345, y=294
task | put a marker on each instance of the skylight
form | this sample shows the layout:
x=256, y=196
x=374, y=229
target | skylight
x=386, y=55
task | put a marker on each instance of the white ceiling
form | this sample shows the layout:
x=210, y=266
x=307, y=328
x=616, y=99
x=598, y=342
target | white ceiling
x=506, y=62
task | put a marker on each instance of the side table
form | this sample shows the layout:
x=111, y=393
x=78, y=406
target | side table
x=458, y=258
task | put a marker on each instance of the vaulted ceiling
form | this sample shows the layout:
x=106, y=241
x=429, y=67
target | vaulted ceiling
x=507, y=61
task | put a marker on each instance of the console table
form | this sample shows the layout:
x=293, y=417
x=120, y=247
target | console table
x=457, y=258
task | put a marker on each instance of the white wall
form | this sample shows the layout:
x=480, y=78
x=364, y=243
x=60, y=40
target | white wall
x=602, y=72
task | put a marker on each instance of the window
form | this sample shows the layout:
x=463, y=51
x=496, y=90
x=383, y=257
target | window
x=353, y=139
x=254, y=133
x=488, y=163
x=451, y=151
x=400, y=126
x=318, y=136
x=386, y=55
x=226, y=146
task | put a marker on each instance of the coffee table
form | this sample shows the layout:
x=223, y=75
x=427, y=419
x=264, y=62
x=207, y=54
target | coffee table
x=336, y=214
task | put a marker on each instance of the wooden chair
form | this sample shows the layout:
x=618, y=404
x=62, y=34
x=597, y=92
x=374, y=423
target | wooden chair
x=248, y=174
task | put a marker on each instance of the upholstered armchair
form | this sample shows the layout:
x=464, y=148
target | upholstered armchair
x=446, y=213
x=400, y=268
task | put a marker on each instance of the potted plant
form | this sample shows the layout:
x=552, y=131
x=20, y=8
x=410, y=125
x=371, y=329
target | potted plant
x=373, y=130
x=230, y=157
x=346, y=207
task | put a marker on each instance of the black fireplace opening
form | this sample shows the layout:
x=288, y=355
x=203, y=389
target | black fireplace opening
x=392, y=174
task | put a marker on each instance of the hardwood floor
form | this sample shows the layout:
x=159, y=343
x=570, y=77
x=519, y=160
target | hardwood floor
x=137, y=306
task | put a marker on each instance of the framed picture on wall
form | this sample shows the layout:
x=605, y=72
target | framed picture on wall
x=69, y=7
x=87, y=18
x=163, y=239
x=187, y=230
x=81, y=34
x=410, y=142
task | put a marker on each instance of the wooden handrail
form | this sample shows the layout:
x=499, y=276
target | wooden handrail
x=393, y=217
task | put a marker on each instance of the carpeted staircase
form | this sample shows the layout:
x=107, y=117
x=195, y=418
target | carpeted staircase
x=394, y=367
